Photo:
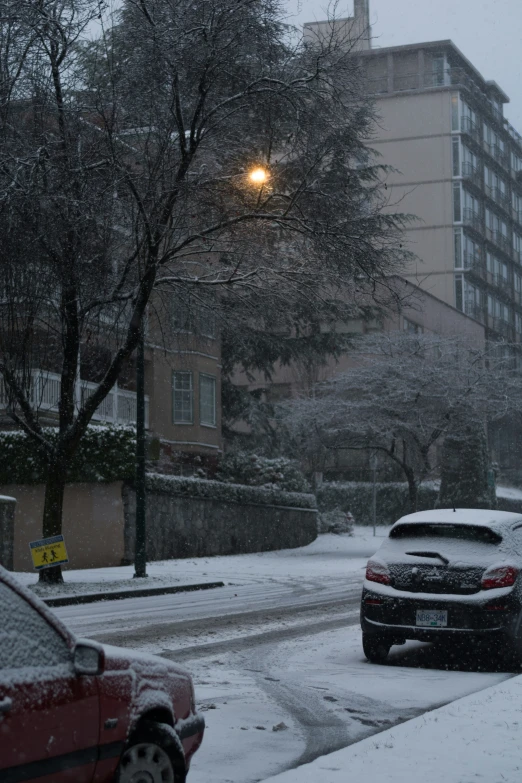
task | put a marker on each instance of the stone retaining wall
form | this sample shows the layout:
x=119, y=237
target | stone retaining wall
x=198, y=527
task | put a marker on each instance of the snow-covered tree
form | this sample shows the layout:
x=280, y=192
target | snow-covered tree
x=192, y=147
x=404, y=394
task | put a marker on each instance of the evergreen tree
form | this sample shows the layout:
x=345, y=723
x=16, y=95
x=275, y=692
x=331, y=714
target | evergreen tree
x=466, y=475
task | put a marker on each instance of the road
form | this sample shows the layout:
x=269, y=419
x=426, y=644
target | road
x=278, y=668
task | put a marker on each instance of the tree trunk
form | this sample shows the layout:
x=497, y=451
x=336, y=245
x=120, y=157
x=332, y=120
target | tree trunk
x=52, y=515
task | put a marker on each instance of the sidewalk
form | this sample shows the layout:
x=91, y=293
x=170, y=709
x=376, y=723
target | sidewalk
x=326, y=556
x=476, y=738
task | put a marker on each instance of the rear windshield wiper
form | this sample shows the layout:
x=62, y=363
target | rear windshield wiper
x=430, y=554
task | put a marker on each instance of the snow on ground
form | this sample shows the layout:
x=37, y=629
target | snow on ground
x=328, y=554
x=475, y=738
x=320, y=685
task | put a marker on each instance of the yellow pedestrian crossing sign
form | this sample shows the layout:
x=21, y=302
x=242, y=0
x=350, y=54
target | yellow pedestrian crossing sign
x=48, y=552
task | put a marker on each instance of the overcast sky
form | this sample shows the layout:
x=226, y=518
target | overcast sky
x=488, y=33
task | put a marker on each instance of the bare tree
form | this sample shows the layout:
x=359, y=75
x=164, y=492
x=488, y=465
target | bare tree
x=403, y=395
x=127, y=173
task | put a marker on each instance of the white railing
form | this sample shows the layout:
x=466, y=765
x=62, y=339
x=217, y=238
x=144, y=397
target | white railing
x=118, y=407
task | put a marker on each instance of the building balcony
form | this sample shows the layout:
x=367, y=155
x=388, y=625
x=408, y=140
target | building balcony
x=407, y=81
x=118, y=407
x=475, y=311
x=517, y=255
x=472, y=261
x=501, y=156
x=472, y=220
x=472, y=174
x=471, y=129
x=516, y=214
x=500, y=326
x=499, y=239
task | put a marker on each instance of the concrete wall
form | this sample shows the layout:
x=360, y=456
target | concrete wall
x=92, y=523
x=196, y=527
x=99, y=523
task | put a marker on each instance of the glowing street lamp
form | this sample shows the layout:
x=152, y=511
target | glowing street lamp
x=258, y=176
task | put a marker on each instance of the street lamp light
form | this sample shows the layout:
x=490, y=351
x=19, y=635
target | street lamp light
x=258, y=176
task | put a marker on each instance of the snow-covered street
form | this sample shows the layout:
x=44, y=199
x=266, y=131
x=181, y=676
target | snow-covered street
x=276, y=656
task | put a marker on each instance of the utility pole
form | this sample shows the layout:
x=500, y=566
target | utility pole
x=140, y=546
x=374, y=492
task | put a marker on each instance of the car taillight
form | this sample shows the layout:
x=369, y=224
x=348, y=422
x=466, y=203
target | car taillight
x=377, y=572
x=499, y=576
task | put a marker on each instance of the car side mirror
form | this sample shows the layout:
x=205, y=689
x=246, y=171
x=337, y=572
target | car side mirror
x=88, y=658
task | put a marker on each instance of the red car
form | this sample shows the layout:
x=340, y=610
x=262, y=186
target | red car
x=77, y=711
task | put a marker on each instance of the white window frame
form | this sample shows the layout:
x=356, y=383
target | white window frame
x=207, y=410
x=185, y=395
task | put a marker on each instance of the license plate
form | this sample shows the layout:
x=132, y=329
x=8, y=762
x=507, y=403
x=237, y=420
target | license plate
x=432, y=618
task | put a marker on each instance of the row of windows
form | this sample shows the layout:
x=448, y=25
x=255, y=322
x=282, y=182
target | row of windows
x=467, y=164
x=467, y=209
x=464, y=118
x=475, y=302
x=183, y=398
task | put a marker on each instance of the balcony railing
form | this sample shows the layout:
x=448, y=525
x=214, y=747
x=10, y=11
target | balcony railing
x=472, y=261
x=499, y=239
x=472, y=173
x=407, y=81
x=118, y=407
x=470, y=128
x=472, y=219
x=504, y=284
x=499, y=325
x=475, y=311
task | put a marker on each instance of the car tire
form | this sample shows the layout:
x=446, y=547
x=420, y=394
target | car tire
x=151, y=754
x=375, y=647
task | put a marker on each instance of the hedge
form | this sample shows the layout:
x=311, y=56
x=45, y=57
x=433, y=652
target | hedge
x=105, y=453
x=228, y=493
x=356, y=497
x=392, y=500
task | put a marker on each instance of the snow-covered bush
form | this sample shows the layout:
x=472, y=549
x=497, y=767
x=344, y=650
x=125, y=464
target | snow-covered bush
x=106, y=453
x=335, y=521
x=254, y=471
x=228, y=492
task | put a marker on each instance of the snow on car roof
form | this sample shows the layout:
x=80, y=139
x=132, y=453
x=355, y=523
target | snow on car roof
x=462, y=516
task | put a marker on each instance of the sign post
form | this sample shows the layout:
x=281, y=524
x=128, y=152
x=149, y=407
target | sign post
x=48, y=552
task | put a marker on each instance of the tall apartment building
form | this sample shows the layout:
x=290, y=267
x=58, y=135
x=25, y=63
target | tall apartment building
x=458, y=168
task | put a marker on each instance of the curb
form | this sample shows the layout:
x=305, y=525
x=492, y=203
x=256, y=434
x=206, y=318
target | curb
x=118, y=595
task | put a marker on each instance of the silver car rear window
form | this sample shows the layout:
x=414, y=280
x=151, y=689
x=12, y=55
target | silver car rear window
x=482, y=535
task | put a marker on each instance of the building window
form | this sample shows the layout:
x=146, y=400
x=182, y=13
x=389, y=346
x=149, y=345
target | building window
x=207, y=321
x=458, y=249
x=456, y=157
x=458, y=293
x=457, y=213
x=455, y=125
x=182, y=318
x=411, y=327
x=183, y=398
x=207, y=400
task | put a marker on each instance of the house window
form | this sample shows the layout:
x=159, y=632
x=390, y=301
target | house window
x=411, y=327
x=183, y=398
x=182, y=318
x=207, y=321
x=207, y=400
